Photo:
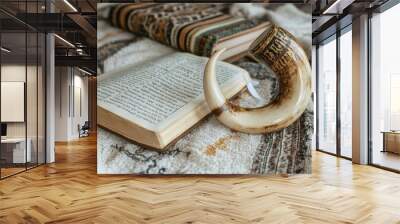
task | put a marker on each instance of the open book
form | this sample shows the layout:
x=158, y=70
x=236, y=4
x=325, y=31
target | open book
x=156, y=102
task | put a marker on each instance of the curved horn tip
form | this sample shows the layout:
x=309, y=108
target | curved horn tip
x=218, y=53
x=213, y=94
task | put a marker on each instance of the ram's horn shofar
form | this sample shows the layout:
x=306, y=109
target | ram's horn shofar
x=279, y=50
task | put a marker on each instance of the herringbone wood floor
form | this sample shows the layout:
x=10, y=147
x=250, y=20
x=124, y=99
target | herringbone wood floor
x=69, y=191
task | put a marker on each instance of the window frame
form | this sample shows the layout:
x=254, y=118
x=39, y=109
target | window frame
x=334, y=37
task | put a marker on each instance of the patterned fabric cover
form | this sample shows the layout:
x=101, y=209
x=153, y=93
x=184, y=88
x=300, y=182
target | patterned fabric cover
x=195, y=28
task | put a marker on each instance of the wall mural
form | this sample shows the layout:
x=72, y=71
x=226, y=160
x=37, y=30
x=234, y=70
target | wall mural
x=167, y=106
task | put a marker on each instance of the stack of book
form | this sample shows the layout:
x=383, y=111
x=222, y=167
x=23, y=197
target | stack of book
x=200, y=29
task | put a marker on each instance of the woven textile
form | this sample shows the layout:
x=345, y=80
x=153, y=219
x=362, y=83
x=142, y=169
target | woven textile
x=209, y=148
x=212, y=148
x=195, y=28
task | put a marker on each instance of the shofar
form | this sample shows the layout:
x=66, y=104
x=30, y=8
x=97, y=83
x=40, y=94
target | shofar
x=279, y=50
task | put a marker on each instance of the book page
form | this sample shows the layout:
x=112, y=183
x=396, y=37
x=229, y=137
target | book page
x=154, y=91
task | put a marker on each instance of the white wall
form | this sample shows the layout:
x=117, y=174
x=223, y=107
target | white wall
x=79, y=117
x=61, y=103
x=34, y=125
x=12, y=73
x=69, y=82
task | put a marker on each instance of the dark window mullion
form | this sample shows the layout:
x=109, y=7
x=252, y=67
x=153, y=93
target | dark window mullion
x=37, y=91
x=338, y=73
x=369, y=78
x=316, y=96
x=26, y=88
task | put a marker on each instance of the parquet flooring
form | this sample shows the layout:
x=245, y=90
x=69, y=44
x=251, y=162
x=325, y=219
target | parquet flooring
x=70, y=191
x=10, y=171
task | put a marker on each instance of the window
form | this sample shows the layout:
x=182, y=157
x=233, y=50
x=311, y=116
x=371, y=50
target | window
x=394, y=117
x=346, y=75
x=22, y=77
x=334, y=109
x=327, y=97
x=385, y=89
